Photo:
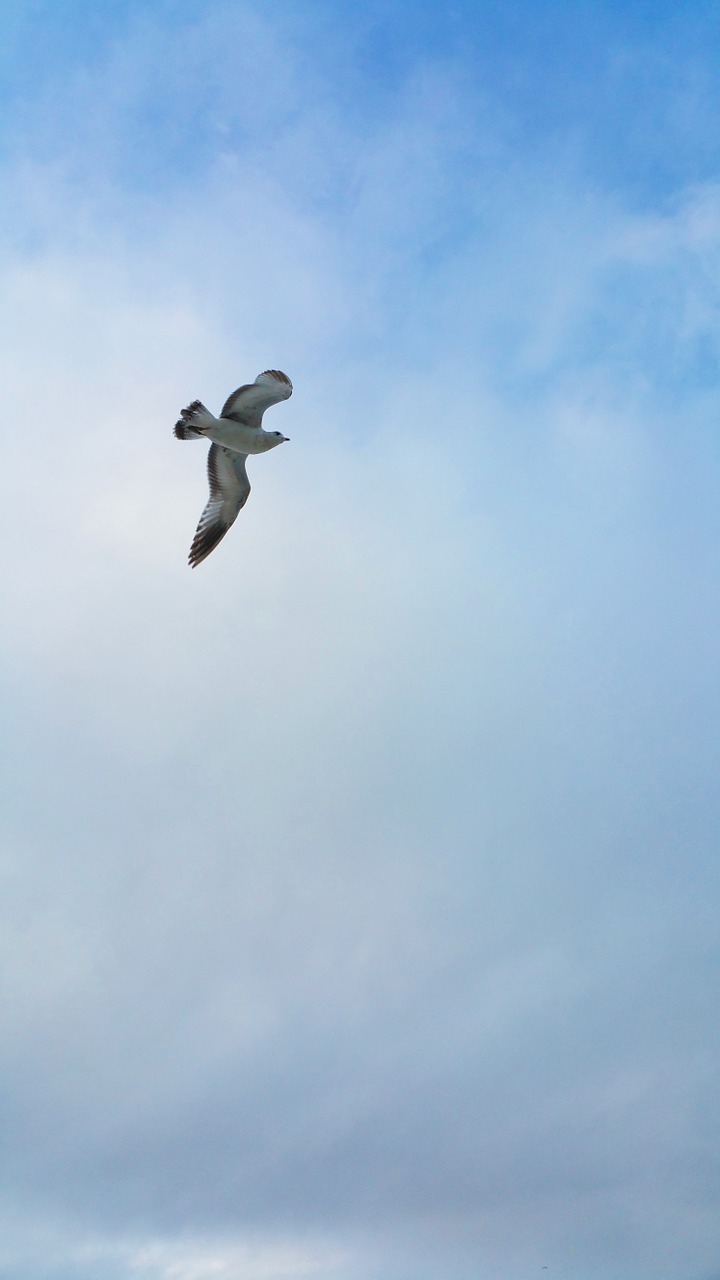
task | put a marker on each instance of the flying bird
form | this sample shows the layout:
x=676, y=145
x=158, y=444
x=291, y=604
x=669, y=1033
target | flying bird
x=235, y=434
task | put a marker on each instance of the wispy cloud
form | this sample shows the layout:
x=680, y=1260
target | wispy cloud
x=358, y=898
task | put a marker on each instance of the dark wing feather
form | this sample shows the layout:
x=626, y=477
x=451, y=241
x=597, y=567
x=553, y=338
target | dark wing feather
x=229, y=491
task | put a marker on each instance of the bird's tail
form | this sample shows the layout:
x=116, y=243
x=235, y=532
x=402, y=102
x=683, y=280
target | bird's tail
x=194, y=422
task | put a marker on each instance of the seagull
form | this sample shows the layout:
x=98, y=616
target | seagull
x=236, y=433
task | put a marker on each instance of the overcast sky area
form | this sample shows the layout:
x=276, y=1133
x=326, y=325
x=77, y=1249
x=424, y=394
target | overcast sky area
x=359, y=888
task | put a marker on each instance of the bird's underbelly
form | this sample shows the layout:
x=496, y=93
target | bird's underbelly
x=233, y=435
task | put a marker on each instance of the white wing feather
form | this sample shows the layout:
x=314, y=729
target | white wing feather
x=249, y=403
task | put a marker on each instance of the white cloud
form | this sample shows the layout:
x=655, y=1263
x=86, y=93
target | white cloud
x=227, y=1260
x=360, y=878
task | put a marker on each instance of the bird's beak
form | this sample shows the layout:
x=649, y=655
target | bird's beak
x=286, y=439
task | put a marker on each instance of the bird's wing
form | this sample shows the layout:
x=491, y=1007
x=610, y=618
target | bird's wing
x=249, y=403
x=229, y=491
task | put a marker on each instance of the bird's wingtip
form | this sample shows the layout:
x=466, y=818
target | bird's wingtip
x=285, y=386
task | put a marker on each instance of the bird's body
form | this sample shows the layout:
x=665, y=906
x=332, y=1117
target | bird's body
x=231, y=435
x=237, y=433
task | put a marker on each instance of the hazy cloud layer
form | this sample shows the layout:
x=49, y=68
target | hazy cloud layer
x=360, y=888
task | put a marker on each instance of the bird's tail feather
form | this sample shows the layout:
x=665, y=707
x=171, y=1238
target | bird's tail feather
x=194, y=422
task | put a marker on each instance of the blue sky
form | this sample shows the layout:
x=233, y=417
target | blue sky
x=359, y=894
x=628, y=91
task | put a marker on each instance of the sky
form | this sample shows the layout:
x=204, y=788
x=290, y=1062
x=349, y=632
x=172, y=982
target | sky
x=359, y=888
